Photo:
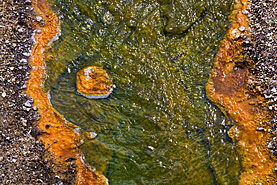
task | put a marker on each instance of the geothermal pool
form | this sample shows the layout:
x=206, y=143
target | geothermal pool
x=157, y=126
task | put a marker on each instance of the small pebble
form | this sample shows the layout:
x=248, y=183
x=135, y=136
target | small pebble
x=27, y=104
x=24, y=61
x=4, y=94
x=39, y=18
x=242, y=28
x=91, y=135
x=245, y=12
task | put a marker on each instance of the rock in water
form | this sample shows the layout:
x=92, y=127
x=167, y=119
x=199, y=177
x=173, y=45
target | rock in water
x=93, y=82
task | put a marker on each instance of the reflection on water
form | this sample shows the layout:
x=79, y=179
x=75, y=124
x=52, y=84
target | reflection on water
x=157, y=127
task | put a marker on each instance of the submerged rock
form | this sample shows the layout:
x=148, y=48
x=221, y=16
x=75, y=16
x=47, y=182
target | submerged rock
x=90, y=135
x=93, y=82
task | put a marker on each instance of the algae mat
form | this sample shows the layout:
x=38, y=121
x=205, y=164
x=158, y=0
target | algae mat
x=157, y=127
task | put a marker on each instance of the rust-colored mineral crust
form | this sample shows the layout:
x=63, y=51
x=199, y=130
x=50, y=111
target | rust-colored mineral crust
x=226, y=88
x=57, y=135
x=93, y=82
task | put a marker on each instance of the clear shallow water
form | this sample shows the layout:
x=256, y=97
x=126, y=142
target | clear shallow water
x=157, y=127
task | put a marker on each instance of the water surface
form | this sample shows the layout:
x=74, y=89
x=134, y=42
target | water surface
x=157, y=127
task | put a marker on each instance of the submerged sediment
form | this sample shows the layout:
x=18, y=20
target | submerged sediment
x=235, y=80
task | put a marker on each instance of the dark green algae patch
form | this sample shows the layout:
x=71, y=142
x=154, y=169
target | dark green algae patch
x=157, y=127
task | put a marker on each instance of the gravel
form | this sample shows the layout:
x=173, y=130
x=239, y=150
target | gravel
x=22, y=157
x=262, y=51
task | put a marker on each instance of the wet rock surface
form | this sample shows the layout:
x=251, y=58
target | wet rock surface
x=93, y=82
x=21, y=154
x=262, y=51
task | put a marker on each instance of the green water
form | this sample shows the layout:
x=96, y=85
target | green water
x=157, y=127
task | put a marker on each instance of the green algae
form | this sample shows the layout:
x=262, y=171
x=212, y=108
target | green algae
x=157, y=127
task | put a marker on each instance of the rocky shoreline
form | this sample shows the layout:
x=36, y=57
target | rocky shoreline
x=238, y=71
x=22, y=156
x=61, y=138
x=261, y=48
